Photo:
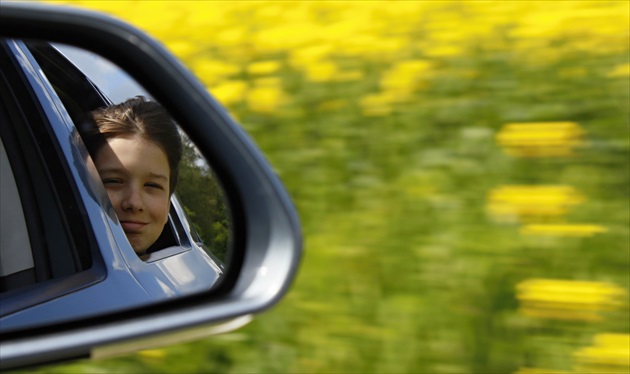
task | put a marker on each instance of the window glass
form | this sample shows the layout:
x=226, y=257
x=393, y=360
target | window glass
x=15, y=246
x=205, y=209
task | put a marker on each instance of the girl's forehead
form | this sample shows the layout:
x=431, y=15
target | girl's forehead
x=133, y=152
x=134, y=142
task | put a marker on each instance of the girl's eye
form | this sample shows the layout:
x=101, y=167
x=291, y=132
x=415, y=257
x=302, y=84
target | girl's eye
x=154, y=185
x=111, y=181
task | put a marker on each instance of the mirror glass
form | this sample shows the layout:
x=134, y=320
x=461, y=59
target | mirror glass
x=159, y=243
x=198, y=188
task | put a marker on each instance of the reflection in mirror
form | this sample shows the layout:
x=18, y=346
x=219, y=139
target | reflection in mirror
x=198, y=217
x=204, y=202
x=198, y=189
x=84, y=250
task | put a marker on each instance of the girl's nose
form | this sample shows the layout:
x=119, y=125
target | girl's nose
x=132, y=200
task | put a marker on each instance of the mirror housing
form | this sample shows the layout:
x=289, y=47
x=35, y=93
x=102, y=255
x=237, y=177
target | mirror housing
x=267, y=237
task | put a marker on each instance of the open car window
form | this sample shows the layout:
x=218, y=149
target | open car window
x=47, y=238
x=85, y=82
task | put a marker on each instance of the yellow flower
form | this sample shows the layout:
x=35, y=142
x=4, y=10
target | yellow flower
x=589, y=26
x=311, y=54
x=286, y=36
x=568, y=299
x=610, y=353
x=263, y=67
x=212, y=71
x=405, y=77
x=265, y=99
x=525, y=203
x=230, y=37
x=321, y=71
x=540, y=139
x=181, y=48
x=230, y=92
x=622, y=70
x=562, y=230
x=443, y=50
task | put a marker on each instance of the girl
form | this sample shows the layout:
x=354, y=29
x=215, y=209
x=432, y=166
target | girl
x=136, y=149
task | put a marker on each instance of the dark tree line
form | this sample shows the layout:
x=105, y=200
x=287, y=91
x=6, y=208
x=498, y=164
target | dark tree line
x=203, y=200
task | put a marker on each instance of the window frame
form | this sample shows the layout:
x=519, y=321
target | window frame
x=64, y=76
x=22, y=268
x=31, y=142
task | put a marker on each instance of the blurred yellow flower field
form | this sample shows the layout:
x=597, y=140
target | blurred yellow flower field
x=609, y=353
x=562, y=230
x=461, y=169
x=527, y=203
x=546, y=139
x=246, y=35
x=569, y=299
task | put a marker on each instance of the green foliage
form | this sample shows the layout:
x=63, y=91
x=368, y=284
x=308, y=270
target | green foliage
x=204, y=201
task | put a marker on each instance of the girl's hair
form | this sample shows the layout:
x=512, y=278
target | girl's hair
x=137, y=117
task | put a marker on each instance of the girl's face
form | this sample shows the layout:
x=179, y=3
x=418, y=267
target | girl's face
x=135, y=173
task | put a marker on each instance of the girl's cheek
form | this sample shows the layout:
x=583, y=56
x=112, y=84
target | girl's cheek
x=114, y=198
x=168, y=209
x=165, y=207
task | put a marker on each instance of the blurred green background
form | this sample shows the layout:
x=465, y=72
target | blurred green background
x=461, y=170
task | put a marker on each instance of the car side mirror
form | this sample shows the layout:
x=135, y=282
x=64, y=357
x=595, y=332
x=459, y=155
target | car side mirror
x=266, y=238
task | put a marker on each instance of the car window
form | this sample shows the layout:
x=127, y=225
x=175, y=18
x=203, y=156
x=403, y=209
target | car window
x=80, y=96
x=16, y=258
x=113, y=81
x=53, y=235
x=85, y=81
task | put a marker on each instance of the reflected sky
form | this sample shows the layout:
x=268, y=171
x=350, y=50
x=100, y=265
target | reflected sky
x=114, y=82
